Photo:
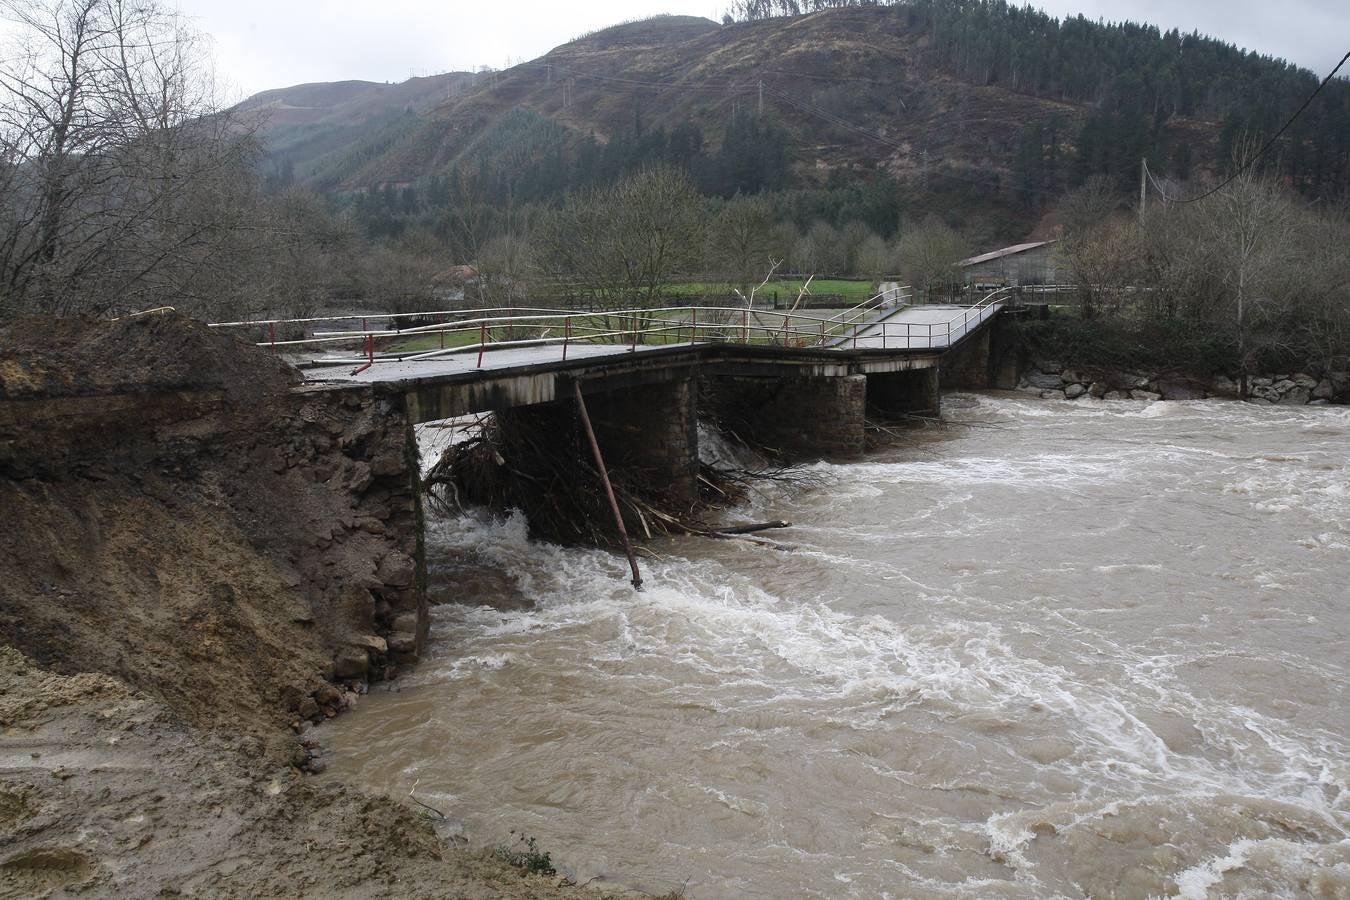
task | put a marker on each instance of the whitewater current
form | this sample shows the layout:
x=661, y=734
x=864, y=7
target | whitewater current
x=1055, y=649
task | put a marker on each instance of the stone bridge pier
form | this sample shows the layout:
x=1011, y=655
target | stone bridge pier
x=909, y=392
x=800, y=416
x=646, y=429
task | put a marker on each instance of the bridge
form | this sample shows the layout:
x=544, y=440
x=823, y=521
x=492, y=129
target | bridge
x=473, y=361
x=638, y=380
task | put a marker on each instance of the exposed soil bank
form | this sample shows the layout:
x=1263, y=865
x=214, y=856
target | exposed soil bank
x=197, y=557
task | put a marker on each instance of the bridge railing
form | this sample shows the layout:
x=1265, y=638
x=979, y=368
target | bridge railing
x=889, y=335
x=476, y=332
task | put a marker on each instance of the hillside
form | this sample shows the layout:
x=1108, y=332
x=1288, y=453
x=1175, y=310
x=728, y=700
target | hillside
x=305, y=125
x=961, y=104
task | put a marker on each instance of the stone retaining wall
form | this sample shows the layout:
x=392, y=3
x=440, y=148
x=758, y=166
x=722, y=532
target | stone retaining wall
x=1052, y=380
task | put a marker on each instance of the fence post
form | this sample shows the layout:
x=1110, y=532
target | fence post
x=567, y=335
x=272, y=335
x=693, y=327
x=745, y=326
x=482, y=341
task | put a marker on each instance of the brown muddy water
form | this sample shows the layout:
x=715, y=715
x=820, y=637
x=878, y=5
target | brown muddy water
x=1076, y=649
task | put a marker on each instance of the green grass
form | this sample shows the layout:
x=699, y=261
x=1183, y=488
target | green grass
x=847, y=289
x=418, y=343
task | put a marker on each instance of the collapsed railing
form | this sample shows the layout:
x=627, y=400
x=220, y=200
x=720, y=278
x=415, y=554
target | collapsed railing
x=863, y=326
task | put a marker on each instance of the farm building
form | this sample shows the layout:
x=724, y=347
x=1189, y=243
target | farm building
x=1020, y=264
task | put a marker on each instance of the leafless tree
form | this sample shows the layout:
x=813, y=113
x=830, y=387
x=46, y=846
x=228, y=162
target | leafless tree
x=740, y=242
x=119, y=177
x=619, y=247
x=928, y=255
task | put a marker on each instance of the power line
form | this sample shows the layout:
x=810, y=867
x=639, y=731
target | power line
x=1268, y=144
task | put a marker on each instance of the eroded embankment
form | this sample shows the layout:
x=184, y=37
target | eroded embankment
x=198, y=555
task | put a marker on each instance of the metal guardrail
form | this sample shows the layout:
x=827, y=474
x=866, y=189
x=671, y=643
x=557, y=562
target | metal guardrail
x=481, y=331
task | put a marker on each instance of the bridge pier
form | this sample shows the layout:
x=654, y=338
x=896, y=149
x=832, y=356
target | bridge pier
x=800, y=416
x=909, y=392
x=648, y=433
x=989, y=358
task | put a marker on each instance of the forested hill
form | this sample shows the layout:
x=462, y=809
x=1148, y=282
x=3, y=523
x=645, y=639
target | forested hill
x=965, y=107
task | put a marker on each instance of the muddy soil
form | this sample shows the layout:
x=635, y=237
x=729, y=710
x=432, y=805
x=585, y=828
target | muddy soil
x=188, y=552
x=103, y=792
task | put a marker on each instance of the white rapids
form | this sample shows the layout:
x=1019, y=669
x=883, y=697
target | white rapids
x=1069, y=649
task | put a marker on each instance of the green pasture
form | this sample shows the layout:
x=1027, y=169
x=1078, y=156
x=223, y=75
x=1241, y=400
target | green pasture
x=787, y=289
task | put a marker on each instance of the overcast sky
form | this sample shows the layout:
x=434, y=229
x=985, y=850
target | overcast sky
x=261, y=44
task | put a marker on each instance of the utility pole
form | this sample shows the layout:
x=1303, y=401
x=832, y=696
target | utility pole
x=1143, y=185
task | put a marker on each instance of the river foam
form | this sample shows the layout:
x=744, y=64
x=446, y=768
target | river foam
x=1077, y=653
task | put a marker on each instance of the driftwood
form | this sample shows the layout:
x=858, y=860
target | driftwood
x=755, y=526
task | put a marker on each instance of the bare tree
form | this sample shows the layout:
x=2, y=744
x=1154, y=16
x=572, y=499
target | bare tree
x=740, y=245
x=120, y=178
x=620, y=246
x=928, y=255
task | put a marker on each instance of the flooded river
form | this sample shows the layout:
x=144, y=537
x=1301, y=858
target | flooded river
x=1072, y=649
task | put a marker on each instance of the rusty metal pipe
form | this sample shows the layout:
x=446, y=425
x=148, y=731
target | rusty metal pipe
x=604, y=478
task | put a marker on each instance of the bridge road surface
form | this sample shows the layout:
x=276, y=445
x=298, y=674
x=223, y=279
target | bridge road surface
x=918, y=328
x=909, y=328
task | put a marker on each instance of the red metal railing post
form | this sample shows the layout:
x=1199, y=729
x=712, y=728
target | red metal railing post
x=633, y=347
x=745, y=326
x=567, y=335
x=442, y=336
x=693, y=327
x=482, y=342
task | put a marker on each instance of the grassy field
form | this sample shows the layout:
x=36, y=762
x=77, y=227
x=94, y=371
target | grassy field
x=848, y=290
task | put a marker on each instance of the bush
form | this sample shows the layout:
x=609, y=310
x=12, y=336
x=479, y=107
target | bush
x=524, y=854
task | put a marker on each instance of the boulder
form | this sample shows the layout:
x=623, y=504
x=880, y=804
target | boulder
x=396, y=569
x=388, y=464
x=371, y=642
x=1074, y=391
x=1145, y=395
x=402, y=643
x=308, y=709
x=1114, y=395
x=1319, y=402
x=327, y=695
x=1098, y=389
x=1304, y=380
x=351, y=662
x=360, y=479
x=1050, y=367
x=1069, y=376
x=1296, y=396
x=1052, y=395
x=1179, y=390
x=1324, y=390
x=1223, y=386
x=1264, y=392
x=1042, y=381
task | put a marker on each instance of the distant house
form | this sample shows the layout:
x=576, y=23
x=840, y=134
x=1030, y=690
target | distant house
x=1020, y=264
